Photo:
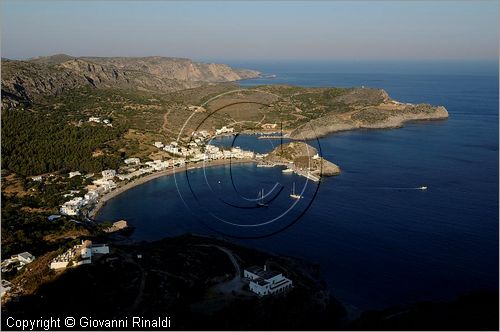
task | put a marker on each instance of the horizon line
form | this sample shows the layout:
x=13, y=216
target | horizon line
x=218, y=59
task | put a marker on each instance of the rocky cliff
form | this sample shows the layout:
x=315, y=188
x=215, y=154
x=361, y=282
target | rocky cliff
x=28, y=81
x=178, y=68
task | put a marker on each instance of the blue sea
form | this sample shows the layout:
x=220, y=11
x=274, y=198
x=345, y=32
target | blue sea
x=378, y=240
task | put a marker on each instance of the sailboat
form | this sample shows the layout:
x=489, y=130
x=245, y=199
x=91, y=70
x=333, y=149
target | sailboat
x=293, y=194
x=261, y=199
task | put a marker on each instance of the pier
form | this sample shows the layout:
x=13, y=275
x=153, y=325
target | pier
x=305, y=173
x=271, y=137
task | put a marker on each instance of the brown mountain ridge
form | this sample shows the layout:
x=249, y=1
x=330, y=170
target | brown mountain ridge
x=27, y=81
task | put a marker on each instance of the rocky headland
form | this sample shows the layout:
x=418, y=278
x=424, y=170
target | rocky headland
x=365, y=108
x=304, y=158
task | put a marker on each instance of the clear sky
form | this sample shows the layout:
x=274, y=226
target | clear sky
x=205, y=30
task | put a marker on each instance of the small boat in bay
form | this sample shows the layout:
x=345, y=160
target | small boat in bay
x=293, y=194
x=261, y=202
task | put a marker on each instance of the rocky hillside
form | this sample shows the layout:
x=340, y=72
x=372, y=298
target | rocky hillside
x=191, y=279
x=302, y=155
x=367, y=109
x=162, y=67
x=28, y=81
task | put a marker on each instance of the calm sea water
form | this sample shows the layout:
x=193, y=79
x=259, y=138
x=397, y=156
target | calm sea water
x=378, y=241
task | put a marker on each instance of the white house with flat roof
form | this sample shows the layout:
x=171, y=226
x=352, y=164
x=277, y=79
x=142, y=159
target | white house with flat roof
x=108, y=174
x=132, y=161
x=24, y=257
x=73, y=174
x=72, y=207
x=79, y=255
x=264, y=282
x=17, y=261
x=224, y=130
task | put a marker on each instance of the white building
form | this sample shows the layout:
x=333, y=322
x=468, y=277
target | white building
x=69, y=210
x=73, y=174
x=72, y=207
x=95, y=119
x=108, y=174
x=201, y=133
x=17, y=261
x=224, y=130
x=91, y=195
x=79, y=255
x=213, y=152
x=196, y=109
x=159, y=145
x=24, y=257
x=212, y=148
x=158, y=164
x=238, y=153
x=264, y=282
x=36, y=178
x=104, y=185
x=132, y=161
x=198, y=157
x=260, y=155
x=172, y=148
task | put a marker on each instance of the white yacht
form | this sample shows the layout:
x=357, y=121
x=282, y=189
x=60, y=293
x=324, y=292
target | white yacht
x=293, y=194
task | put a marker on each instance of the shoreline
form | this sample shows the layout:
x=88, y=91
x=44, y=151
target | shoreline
x=137, y=182
x=396, y=122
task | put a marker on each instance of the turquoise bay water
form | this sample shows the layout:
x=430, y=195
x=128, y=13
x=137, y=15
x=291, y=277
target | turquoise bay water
x=378, y=242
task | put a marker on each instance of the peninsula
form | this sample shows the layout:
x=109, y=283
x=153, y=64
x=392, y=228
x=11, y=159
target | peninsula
x=303, y=159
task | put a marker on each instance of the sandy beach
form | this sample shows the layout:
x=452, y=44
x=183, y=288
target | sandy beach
x=121, y=189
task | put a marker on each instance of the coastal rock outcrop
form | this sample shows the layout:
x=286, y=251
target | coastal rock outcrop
x=387, y=114
x=304, y=158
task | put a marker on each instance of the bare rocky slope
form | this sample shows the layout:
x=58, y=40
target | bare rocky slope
x=162, y=67
x=28, y=81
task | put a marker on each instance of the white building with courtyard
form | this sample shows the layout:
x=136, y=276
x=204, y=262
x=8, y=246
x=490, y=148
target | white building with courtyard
x=264, y=282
